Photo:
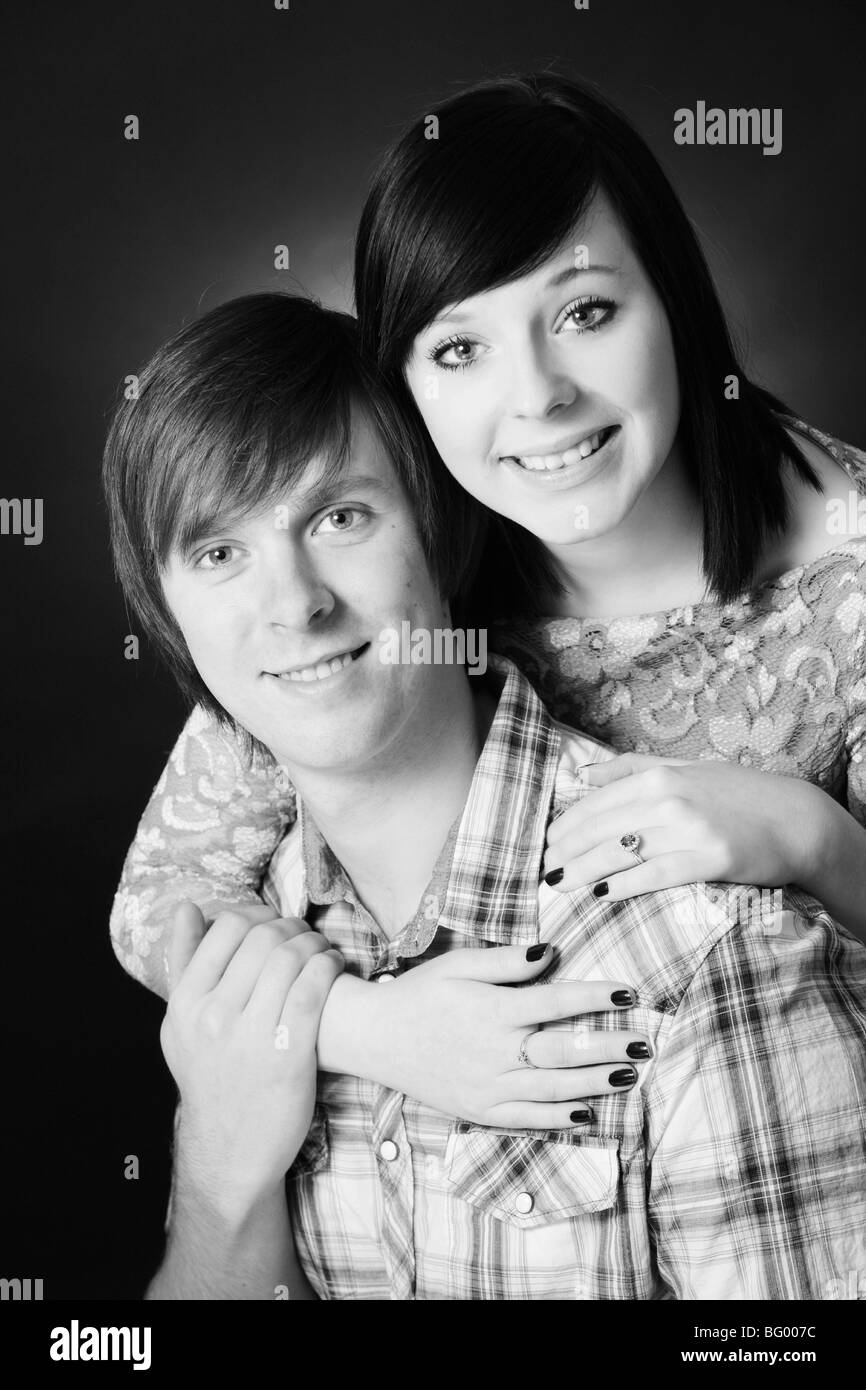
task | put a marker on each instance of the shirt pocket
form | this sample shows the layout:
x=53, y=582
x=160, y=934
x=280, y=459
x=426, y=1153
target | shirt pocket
x=530, y=1180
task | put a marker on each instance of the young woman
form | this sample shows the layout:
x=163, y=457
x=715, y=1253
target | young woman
x=529, y=283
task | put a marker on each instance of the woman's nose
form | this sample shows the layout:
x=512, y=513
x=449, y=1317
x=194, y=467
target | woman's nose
x=539, y=385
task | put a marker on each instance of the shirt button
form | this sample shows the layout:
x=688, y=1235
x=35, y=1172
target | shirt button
x=524, y=1202
x=386, y=975
x=388, y=1150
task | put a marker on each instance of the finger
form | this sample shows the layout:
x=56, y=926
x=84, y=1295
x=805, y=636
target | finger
x=609, y=770
x=187, y=931
x=522, y=1114
x=240, y=975
x=279, y=973
x=554, y=1047
x=669, y=871
x=601, y=774
x=613, y=811
x=494, y=964
x=214, y=952
x=610, y=857
x=547, y=1087
x=302, y=1011
x=566, y=999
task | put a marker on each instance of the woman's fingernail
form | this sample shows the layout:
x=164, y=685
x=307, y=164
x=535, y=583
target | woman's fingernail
x=622, y=997
x=638, y=1051
x=537, y=951
x=579, y=1117
x=625, y=1077
x=600, y=890
x=554, y=877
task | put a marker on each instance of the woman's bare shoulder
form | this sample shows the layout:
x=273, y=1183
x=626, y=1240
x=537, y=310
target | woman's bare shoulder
x=819, y=521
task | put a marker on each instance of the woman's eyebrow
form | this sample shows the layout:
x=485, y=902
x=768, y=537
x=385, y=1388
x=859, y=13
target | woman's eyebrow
x=559, y=278
x=571, y=270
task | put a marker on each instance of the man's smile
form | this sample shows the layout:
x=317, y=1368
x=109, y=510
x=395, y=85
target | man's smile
x=323, y=668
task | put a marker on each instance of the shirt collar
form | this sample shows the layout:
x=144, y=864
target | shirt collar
x=492, y=889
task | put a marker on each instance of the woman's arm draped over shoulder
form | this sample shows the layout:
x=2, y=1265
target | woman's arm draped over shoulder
x=207, y=833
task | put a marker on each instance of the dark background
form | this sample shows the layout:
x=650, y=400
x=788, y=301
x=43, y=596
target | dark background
x=260, y=127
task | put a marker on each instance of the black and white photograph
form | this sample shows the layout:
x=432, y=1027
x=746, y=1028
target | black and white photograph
x=434, y=539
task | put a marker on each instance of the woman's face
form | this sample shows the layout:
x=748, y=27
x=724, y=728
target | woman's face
x=554, y=399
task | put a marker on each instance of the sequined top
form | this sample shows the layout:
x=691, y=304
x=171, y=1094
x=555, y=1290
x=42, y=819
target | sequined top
x=775, y=680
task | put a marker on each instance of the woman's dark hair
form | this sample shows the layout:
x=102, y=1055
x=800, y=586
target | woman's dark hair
x=227, y=416
x=515, y=165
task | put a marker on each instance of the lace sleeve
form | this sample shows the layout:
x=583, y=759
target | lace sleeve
x=211, y=825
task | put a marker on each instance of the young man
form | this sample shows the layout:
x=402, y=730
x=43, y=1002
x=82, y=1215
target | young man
x=731, y=1167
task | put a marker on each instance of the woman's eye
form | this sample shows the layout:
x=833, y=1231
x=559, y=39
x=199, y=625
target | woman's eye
x=453, y=354
x=340, y=519
x=217, y=558
x=588, y=314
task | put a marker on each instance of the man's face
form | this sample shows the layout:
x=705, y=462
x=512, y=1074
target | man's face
x=282, y=613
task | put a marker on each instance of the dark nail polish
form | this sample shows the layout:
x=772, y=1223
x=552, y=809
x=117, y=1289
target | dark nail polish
x=537, y=951
x=600, y=890
x=625, y=1077
x=554, y=877
x=622, y=997
x=638, y=1051
x=578, y=1117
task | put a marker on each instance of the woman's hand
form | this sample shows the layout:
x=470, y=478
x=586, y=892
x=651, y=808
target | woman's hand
x=696, y=821
x=449, y=1033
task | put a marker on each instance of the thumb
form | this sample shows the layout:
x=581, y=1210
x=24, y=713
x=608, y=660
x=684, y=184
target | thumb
x=187, y=931
x=624, y=765
x=499, y=965
x=612, y=769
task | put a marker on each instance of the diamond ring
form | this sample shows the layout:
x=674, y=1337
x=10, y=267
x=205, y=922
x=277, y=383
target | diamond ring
x=522, y=1056
x=631, y=842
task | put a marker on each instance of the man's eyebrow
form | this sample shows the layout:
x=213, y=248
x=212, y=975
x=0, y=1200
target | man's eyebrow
x=317, y=495
x=329, y=490
x=559, y=278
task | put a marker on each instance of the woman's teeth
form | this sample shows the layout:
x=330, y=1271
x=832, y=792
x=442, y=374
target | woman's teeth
x=548, y=463
x=319, y=672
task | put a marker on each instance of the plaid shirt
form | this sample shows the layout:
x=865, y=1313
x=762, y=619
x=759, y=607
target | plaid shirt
x=733, y=1170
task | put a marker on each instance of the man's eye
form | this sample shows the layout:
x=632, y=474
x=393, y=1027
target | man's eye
x=216, y=559
x=340, y=519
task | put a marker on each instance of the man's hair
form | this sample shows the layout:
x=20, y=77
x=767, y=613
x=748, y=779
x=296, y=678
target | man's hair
x=516, y=164
x=228, y=415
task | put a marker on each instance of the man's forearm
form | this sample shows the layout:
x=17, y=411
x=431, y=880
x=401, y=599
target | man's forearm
x=228, y=1247
x=347, y=1031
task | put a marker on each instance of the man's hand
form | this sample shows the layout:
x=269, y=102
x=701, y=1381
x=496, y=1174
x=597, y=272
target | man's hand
x=239, y=1037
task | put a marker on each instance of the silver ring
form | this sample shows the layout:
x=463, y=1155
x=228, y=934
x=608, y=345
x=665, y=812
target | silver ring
x=631, y=842
x=522, y=1055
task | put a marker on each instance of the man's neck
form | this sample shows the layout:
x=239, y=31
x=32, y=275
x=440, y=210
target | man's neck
x=387, y=823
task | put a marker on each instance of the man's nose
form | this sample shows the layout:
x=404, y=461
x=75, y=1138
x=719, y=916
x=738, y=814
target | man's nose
x=295, y=594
